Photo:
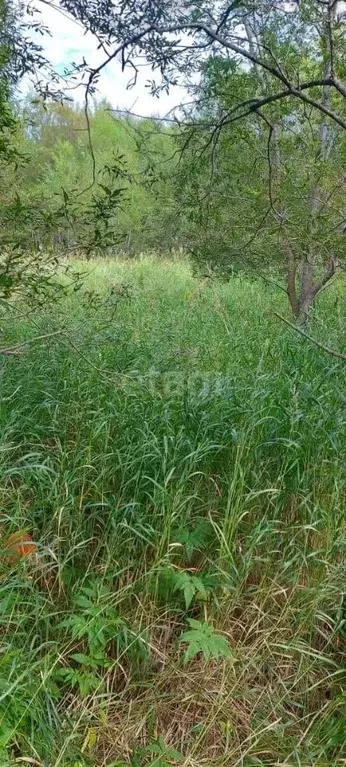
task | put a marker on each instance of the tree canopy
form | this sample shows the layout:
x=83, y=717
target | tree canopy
x=248, y=175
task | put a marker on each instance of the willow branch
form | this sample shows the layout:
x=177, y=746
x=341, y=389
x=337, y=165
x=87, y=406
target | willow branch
x=301, y=332
x=15, y=349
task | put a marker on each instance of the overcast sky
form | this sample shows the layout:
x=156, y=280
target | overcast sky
x=69, y=43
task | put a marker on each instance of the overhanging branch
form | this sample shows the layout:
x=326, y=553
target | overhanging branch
x=298, y=91
x=301, y=332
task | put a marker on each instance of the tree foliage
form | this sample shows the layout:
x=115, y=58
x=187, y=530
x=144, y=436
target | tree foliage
x=258, y=155
x=132, y=200
x=281, y=75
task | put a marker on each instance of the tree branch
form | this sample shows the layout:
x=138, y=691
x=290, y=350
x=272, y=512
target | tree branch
x=327, y=275
x=291, y=279
x=301, y=332
x=15, y=349
x=239, y=50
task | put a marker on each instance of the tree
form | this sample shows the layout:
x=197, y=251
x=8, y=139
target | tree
x=28, y=265
x=293, y=54
x=281, y=92
x=265, y=199
x=55, y=142
x=19, y=271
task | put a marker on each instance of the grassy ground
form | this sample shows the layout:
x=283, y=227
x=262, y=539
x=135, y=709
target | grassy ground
x=178, y=458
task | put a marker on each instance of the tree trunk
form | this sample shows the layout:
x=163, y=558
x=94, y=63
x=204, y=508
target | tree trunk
x=291, y=283
x=310, y=286
x=304, y=309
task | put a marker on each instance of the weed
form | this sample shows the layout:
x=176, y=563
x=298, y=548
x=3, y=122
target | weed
x=203, y=640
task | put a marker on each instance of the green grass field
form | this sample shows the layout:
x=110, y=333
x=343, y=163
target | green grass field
x=178, y=457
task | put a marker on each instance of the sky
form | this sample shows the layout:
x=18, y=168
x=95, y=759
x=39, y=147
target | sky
x=69, y=43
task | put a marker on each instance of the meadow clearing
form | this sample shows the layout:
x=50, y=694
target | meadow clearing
x=177, y=456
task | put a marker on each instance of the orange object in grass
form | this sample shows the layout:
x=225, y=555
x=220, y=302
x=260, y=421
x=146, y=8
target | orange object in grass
x=20, y=544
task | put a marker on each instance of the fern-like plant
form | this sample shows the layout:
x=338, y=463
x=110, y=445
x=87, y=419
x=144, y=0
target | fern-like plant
x=203, y=639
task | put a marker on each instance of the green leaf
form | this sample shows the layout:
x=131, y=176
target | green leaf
x=200, y=588
x=205, y=640
x=184, y=583
x=195, y=624
x=191, y=586
x=83, y=601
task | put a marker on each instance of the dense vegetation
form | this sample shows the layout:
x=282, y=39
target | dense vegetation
x=172, y=535
x=265, y=130
x=180, y=468
x=57, y=167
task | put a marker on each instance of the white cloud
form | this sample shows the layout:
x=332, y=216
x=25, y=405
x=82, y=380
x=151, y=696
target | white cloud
x=68, y=43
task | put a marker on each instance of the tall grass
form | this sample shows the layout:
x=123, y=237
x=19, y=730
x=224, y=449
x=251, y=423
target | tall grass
x=176, y=456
